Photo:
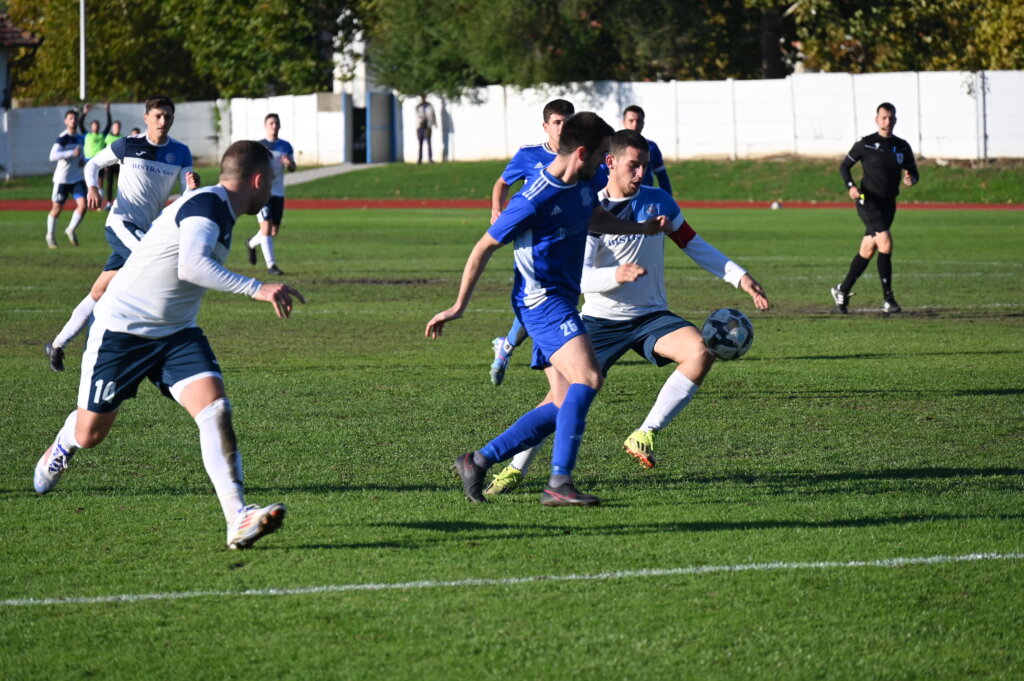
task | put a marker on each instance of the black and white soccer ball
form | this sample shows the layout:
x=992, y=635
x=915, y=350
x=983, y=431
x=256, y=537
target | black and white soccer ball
x=728, y=334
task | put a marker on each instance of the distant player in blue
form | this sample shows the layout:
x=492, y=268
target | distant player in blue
x=146, y=330
x=526, y=163
x=548, y=223
x=633, y=119
x=151, y=165
x=68, y=152
x=270, y=216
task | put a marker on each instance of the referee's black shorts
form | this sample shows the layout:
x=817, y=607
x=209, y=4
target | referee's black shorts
x=876, y=213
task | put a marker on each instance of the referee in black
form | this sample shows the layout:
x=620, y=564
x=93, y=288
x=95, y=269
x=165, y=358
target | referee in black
x=886, y=160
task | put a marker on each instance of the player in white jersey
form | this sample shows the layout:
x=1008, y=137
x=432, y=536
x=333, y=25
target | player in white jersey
x=150, y=167
x=146, y=328
x=270, y=216
x=625, y=305
x=68, y=152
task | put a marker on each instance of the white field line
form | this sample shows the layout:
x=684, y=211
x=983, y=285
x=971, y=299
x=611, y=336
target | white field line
x=512, y=581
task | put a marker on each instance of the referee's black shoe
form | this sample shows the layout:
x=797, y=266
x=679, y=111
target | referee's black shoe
x=842, y=299
x=890, y=306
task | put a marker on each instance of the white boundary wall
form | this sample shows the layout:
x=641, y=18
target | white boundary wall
x=941, y=114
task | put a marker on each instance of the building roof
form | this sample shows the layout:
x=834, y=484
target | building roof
x=12, y=36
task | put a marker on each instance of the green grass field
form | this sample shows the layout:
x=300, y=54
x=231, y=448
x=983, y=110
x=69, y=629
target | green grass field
x=837, y=440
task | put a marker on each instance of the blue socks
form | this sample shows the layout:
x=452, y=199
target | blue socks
x=517, y=334
x=530, y=429
x=569, y=427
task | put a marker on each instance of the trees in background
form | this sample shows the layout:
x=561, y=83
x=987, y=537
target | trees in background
x=200, y=49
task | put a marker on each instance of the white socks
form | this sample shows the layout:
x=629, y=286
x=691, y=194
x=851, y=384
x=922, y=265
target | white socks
x=266, y=244
x=66, y=437
x=674, y=396
x=523, y=459
x=51, y=227
x=221, y=457
x=79, y=318
x=73, y=225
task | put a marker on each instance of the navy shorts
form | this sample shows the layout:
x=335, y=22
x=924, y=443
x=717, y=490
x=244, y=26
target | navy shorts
x=273, y=211
x=121, y=252
x=61, y=192
x=551, y=325
x=877, y=214
x=613, y=337
x=114, y=364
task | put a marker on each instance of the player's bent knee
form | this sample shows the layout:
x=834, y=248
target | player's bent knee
x=219, y=409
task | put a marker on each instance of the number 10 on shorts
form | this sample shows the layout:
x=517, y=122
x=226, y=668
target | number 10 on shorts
x=104, y=394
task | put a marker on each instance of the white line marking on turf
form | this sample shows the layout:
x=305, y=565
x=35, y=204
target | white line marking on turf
x=506, y=581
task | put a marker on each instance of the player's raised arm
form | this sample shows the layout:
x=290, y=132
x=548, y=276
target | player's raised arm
x=475, y=265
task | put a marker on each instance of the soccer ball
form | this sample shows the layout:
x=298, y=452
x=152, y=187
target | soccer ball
x=776, y=205
x=728, y=334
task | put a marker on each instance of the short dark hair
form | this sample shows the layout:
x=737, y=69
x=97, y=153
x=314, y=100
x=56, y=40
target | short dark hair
x=887, y=106
x=585, y=129
x=244, y=158
x=625, y=139
x=633, y=108
x=70, y=111
x=561, y=107
x=271, y=115
x=159, y=102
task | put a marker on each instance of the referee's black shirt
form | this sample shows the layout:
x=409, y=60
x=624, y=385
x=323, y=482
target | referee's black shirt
x=883, y=159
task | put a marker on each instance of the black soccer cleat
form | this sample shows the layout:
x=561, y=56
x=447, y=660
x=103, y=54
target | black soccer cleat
x=274, y=269
x=472, y=477
x=56, y=357
x=841, y=299
x=890, y=306
x=252, y=254
x=566, y=494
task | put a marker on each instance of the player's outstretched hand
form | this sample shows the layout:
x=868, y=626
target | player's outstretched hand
x=280, y=296
x=93, y=198
x=435, y=327
x=756, y=291
x=193, y=181
x=629, y=271
x=657, y=225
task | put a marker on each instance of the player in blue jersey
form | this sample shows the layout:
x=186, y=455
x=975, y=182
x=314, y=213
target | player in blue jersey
x=625, y=303
x=548, y=223
x=146, y=328
x=633, y=118
x=67, y=151
x=150, y=167
x=526, y=163
x=270, y=216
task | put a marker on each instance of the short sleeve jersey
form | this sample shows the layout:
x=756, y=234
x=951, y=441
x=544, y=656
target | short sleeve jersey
x=147, y=298
x=68, y=170
x=646, y=294
x=883, y=160
x=527, y=162
x=148, y=174
x=280, y=150
x=547, y=223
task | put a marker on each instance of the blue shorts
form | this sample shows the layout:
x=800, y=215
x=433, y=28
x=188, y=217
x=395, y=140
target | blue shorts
x=121, y=252
x=273, y=211
x=612, y=337
x=61, y=192
x=114, y=364
x=551, y=325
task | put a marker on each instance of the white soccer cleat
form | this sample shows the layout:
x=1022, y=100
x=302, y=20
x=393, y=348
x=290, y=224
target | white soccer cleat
x=70, y=234
x=49, y=468
x=253, y=522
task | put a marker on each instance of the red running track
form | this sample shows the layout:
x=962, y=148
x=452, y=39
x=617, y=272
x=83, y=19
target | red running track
x=364, y=204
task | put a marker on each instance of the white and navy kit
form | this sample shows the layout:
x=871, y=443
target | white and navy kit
x=274, y=210
x=145, y=323
x=547, y=224
x=883, y=159
x=635, y=314
x=68, y=179
x=146, y=179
